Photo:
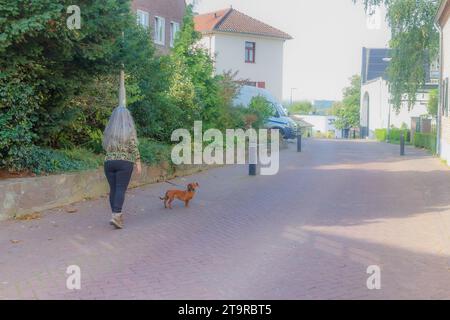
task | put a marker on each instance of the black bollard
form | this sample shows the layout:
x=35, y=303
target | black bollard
x=253, y=159
x=252, y=169
x=299, y=142
x=402, y=144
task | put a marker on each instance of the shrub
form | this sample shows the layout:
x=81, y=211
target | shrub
x=426, y=141
x=381, y=134
x=259, y=111
x=394, y=135
x=41, y=160
x=153, y=152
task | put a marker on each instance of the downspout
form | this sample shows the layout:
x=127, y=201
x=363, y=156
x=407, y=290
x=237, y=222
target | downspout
x=439, y=113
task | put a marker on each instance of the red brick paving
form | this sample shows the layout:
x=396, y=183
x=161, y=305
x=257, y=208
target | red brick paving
x=309, y=232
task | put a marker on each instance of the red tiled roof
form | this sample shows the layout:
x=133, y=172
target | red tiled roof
x=231, y=20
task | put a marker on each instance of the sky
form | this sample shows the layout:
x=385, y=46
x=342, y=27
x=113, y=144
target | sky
x=328, y=40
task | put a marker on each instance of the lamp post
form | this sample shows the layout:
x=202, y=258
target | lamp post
x=292, y=90
x=388, y=59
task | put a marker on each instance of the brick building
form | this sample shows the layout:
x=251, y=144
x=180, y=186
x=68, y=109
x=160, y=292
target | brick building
x=164, y=17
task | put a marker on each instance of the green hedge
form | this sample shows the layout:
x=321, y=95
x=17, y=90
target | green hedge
x=394, y=135
x=426, y=141
x=381, y=134
x=45, y=161
x=153, y=152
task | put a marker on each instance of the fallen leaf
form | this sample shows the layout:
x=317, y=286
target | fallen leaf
x=15, y=241
x=71, y=210
x=28, y=217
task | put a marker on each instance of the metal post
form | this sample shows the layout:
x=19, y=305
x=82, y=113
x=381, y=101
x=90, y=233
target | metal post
x=402, y=144
x=299, y=141
x=253, y=158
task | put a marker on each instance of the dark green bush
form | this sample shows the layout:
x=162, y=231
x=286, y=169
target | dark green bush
x=153, y=152
x=41, y=160
x=426, y=141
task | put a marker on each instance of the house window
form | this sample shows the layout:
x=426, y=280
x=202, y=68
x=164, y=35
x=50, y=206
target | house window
x=160, y=30
x=251, y=83
x=250, y=48
x=174, y=28
x=142, y=18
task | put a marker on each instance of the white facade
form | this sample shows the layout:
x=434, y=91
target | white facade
x=444, y=114
x=228, y=51
x=322, y=125
x=377, y=112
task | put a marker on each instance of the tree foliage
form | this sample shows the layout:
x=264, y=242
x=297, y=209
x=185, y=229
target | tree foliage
x=414, y=45
x=348, y=110
x=43, y=65
x=301, y=107
x=433, y=101
x=59, y=86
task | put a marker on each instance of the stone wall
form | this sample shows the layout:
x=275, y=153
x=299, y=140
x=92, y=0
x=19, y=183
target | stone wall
x=28, y=195
x=23, y=196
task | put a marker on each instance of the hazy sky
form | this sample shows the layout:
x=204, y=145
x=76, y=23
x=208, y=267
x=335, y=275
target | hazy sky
x=328, y=39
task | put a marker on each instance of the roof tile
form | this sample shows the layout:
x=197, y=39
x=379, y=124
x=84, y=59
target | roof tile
x=231, y=20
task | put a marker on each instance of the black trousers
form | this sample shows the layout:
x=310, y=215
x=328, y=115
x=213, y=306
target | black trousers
x=118, y=173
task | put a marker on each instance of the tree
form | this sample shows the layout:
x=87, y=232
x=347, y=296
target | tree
x=433, y=101
x=44, y=65
x=347, y=117
x=333, y=111
x=414, y=44
x=301, y=107
x=347, y=111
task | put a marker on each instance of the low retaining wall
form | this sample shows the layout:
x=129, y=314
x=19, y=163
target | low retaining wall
x=28, y=195
x=23, y=196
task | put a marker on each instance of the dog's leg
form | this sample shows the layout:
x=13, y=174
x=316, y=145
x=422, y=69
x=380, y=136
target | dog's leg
x=170, y=203
x=186, y=203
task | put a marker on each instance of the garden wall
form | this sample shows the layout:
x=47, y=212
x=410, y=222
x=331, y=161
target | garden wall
x=23, y=196
x=28, y=195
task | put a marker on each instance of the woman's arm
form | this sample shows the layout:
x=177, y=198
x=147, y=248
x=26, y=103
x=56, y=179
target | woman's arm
x=136, y=155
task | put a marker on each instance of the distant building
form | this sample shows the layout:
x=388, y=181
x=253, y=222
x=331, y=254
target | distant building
x=164, y=17
x=322, y=126
x=322, y=106
x=443, y=21
x=241, y=43
x=376, y=109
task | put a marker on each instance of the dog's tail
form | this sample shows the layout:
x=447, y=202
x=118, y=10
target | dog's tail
x=163, y=198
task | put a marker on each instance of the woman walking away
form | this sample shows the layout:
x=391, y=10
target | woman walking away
x=120, y=144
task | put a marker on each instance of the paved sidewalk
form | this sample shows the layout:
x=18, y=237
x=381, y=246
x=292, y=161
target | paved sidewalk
x=309, y=232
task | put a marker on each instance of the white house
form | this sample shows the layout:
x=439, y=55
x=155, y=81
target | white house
x=443, y=22
x=376, y=110
x=241, y=43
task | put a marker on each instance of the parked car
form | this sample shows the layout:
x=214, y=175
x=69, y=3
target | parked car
x=280, y=119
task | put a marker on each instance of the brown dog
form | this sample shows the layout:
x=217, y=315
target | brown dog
x=185, y=196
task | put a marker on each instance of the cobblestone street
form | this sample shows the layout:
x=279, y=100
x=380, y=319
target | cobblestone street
x=309, y=232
